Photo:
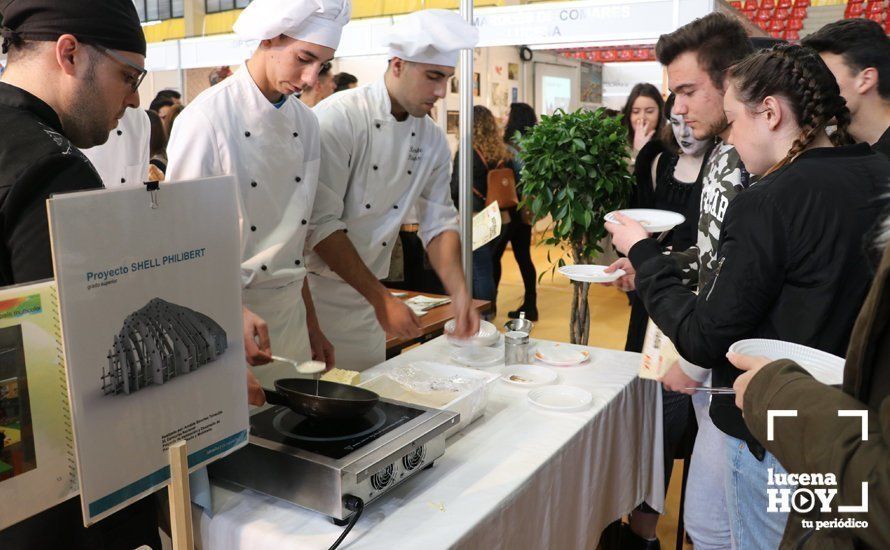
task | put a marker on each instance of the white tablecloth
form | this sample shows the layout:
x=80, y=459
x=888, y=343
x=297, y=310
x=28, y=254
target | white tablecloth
x=519, y=477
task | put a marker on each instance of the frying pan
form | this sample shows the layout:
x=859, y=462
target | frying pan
x=333, y=400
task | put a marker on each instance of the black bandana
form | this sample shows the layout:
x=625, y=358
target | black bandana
x=113, y=24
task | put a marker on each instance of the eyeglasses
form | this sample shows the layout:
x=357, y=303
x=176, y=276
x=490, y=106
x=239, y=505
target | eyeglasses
x=133, y=81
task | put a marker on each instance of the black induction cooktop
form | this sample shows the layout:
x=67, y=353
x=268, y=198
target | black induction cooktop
x=333, y=438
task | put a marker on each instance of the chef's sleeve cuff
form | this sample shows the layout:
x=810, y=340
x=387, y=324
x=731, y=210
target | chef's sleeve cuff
x=323, y=230
x=427, y=235
x=642, y=251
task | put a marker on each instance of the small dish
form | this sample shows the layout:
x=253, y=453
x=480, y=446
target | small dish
x=561, y=398
x=561, y=355
x=528, y=376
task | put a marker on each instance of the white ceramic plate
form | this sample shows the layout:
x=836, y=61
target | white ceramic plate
x=825, y=367
x=528, y=376
x=653, y=221
x=590, y=273
x=561, y=398
x=561, y=355
x=478, y=357
x=487, y=336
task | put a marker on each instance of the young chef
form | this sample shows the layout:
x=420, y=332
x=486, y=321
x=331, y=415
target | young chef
x=74, y=67
x=250, y=126
x=382, y=155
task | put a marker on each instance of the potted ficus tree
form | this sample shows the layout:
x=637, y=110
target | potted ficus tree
x=575, y=169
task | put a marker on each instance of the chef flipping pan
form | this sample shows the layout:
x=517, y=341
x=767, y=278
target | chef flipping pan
x=333, y=400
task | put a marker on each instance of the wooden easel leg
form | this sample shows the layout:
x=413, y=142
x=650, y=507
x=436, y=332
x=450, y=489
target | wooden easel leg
x=180, y=498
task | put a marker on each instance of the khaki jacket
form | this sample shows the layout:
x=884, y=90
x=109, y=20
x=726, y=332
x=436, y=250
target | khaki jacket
x=818, y=441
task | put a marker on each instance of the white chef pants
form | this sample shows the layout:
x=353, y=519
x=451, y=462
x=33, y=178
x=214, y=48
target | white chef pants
x=348, y=321
x=285, y=314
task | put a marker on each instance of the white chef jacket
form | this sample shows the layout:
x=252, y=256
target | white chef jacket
x=375, y=169
x=123, y=159
x=231, y=128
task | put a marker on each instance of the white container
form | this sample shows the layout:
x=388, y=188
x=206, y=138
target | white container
x=469, y=404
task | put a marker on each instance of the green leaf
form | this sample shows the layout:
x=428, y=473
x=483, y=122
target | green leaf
x=579, y=143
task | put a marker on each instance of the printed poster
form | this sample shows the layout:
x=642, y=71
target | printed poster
x=486, y=225
x=37, y=469
x=150, y=299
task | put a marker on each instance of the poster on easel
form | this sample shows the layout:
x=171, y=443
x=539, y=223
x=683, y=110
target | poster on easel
x=37, y=468
x=150, y=299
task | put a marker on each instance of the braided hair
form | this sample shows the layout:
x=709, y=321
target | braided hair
x=799, y=75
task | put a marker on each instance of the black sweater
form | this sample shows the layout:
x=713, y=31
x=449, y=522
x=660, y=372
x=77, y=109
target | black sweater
x=791, y=266
x=36, y=160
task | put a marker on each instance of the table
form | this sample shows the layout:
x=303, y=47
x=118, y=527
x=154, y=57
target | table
x=431, y=324
x=517, y=478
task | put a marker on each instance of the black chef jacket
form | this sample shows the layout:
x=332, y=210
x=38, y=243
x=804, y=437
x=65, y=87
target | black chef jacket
x=37, y=160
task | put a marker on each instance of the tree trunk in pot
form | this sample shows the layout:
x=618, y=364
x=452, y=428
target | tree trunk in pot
x=579, y=326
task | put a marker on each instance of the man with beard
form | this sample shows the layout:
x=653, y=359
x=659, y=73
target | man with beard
x=74, y=67
x=382, y=155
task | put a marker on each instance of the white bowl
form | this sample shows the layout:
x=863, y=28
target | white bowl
x=488, y=335
x=825, y=367
x=653, y=221
x=590, y=273
x=561, y=398
x=531, y=376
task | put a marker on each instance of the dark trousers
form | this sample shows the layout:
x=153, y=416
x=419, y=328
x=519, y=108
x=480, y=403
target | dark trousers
x=62, y=527
x=483, y=277
x=519, y=235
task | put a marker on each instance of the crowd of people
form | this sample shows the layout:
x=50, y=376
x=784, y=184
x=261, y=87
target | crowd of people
x=777, y=158
x=781, y=156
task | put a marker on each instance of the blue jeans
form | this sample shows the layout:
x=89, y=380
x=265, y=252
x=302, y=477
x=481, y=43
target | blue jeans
x=745, y=482
x=483, y=272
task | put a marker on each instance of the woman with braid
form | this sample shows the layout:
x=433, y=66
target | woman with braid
x=791, y=261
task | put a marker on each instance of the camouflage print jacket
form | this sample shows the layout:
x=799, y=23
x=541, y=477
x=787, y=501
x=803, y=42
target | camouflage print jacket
x=724, y=178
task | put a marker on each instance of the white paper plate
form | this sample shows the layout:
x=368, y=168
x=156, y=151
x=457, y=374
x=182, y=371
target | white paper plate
x=561, y=398
x=487, y=336
x=825, y=367
x=653, y=221
x=561, y=355
x=478, y=357
x=590, y=273
x=528, y=376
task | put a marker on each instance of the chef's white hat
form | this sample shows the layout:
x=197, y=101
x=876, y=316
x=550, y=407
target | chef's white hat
x=317, y=21
x=431, y=36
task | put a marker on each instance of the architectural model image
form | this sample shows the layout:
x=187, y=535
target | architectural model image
x=159, y=342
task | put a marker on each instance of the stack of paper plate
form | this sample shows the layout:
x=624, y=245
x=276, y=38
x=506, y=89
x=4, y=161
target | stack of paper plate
x=478, y=357
x=825, y=367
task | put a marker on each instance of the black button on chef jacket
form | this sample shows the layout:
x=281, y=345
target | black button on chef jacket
x=36, y=161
